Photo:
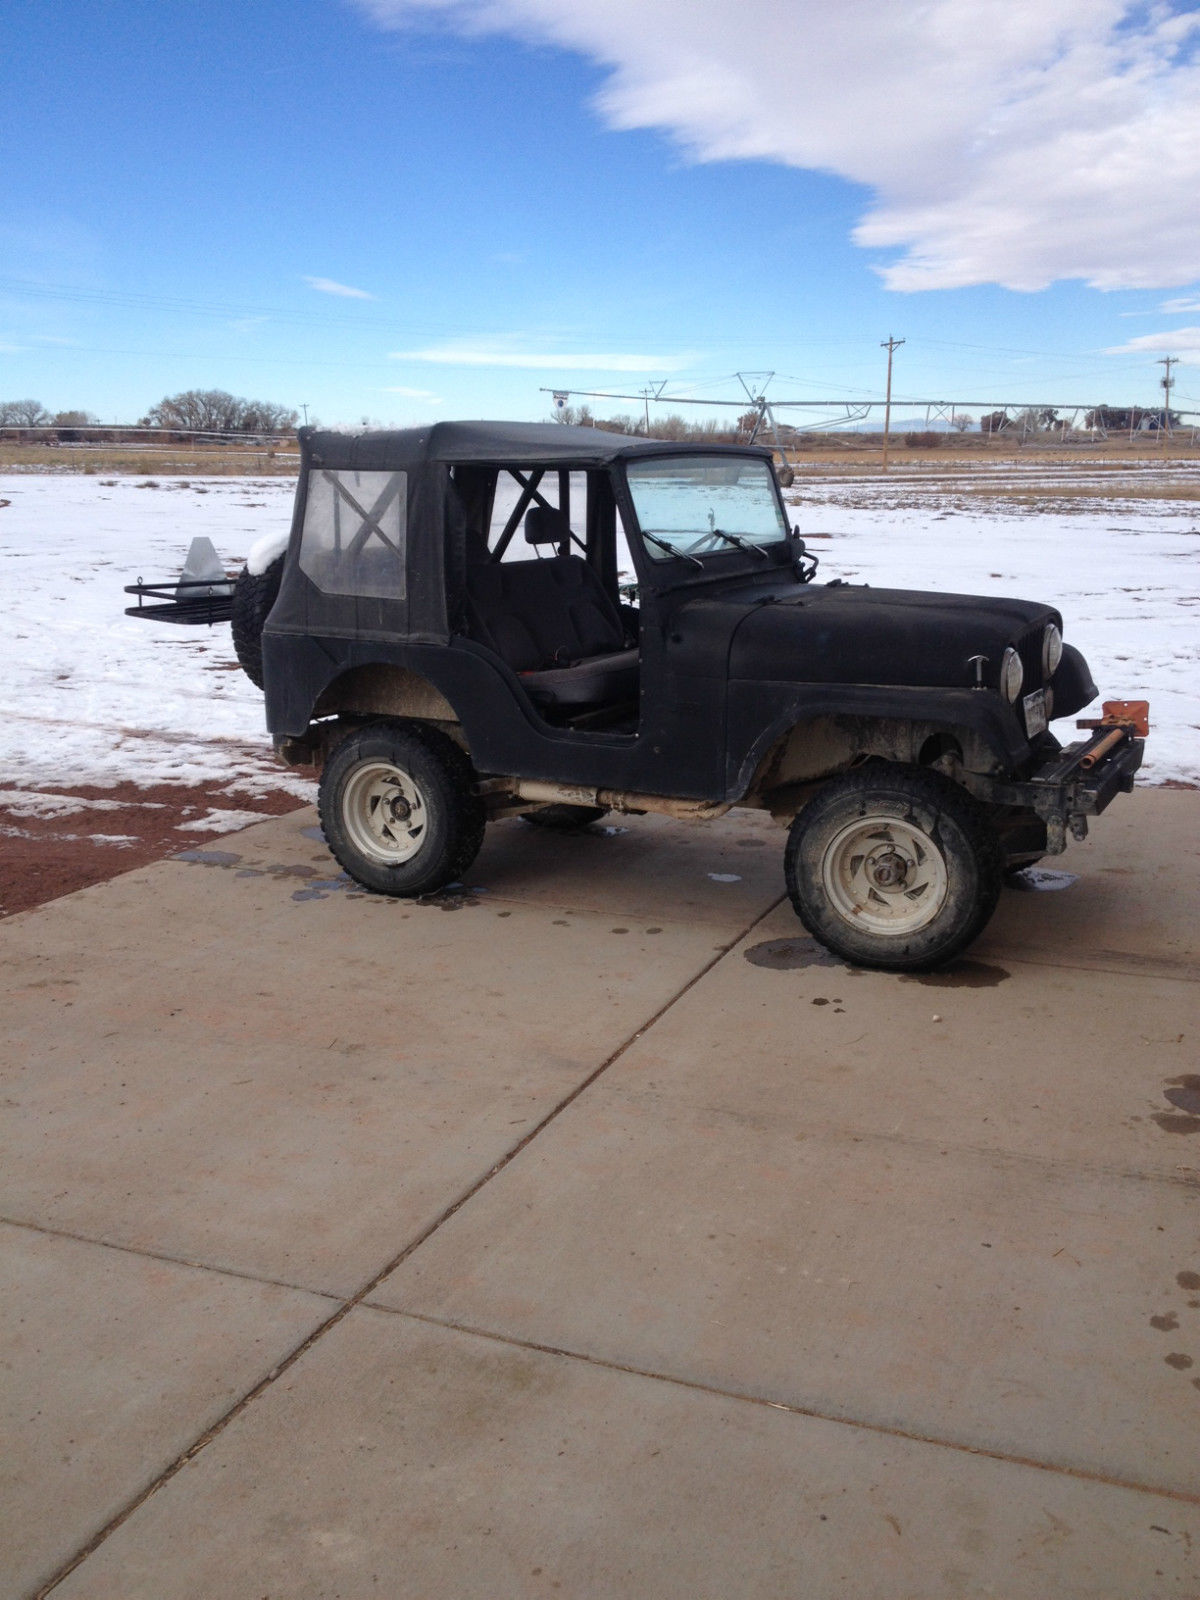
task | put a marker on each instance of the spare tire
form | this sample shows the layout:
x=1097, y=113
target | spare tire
x=253, y=596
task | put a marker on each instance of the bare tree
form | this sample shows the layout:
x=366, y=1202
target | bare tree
x=23, y=414
x=217, y=411
x=961, y=421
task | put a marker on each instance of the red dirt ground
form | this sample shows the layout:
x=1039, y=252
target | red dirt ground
x=42, y=858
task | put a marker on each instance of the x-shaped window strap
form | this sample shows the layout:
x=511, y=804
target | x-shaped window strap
x=369, y=519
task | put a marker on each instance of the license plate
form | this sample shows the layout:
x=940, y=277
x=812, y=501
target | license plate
x=1035, y=712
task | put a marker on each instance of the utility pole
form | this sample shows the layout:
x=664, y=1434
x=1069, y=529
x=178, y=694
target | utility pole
x=304, y=408
x=891, y=346
x=1168, y=362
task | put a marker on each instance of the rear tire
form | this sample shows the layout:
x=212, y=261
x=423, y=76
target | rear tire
x=893, y=867
x=399, y=809
x=254, y=594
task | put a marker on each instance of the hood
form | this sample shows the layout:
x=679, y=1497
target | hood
x=854, y=634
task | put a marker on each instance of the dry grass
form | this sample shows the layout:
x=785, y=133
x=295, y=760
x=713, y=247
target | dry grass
x=200, y=461
x=1164, y=465
x=976, y=449
x=1059, y=490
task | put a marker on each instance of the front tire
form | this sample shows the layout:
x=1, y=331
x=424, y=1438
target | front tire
x=399, y=810
x=893, y=867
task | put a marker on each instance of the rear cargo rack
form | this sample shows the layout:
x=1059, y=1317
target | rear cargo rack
x=190, y=601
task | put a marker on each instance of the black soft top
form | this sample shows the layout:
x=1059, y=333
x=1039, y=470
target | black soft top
x=434, y=543
x=505, y=443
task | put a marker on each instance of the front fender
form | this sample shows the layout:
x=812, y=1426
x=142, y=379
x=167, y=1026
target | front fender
x=772, y=710
x=1072, y=684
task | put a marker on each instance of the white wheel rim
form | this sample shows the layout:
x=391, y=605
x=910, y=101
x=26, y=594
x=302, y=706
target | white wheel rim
x=384, y=813
x=884, y=875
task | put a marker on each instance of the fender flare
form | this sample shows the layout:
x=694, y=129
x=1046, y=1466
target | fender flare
x=980, y=712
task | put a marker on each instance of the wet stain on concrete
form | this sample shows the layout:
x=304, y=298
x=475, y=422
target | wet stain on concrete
x=960, y=975
x=322, y=888
x=1184, y=1092
x=1167, y=1323
x=1176, y=1122
x=453, y=898
x=209, y=858
x=790, y=955
x=1179, y=1361
x=1040, y=878
x=1188, y=1280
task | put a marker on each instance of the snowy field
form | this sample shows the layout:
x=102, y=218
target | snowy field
x=91, y=697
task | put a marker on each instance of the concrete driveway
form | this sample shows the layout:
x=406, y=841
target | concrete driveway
x=592, y=1233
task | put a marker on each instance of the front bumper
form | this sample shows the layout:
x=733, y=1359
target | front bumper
x=1078, y=782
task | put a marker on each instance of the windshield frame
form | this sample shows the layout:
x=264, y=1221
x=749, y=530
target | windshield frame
x=739, y=545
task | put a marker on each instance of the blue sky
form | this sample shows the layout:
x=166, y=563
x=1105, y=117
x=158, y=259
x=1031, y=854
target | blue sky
x=529, y=193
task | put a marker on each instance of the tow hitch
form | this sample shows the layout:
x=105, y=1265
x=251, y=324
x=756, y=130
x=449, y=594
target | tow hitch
x=1122, y=720
x=1080, y=781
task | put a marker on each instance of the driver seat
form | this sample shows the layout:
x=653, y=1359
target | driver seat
x=553, y=623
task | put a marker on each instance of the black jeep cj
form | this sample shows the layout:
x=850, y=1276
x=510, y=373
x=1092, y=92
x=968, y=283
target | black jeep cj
x=449, y=638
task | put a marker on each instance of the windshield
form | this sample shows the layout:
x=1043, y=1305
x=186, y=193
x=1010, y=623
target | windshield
x=692, y=505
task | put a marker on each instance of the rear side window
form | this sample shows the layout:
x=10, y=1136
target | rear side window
x=355, y=524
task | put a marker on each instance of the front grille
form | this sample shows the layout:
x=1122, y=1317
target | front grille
x=1030, y=650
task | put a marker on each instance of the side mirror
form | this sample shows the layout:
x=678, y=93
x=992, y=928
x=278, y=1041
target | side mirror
x=804, y=564
x=786, y=477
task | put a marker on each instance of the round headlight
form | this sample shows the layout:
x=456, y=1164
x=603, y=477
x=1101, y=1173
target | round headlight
x=1012, y=675
x=1051, y=649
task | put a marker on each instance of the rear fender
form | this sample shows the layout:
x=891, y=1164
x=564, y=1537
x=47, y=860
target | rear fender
x=385, y=690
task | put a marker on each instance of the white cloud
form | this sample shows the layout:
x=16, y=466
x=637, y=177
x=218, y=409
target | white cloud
x=414, y=394
x=1182, y=306
x=1004, y=141
x=328, y=286
x=455, y=355
x=1181, y=342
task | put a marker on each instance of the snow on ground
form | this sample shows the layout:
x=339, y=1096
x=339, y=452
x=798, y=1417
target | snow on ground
x=92, y=697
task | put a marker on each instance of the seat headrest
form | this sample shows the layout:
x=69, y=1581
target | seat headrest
x=546, y=525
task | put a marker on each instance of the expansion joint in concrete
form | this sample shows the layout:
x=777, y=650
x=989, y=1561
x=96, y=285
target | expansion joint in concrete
x=163, y=1255
x=810, y=1413
x=348, y=1305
